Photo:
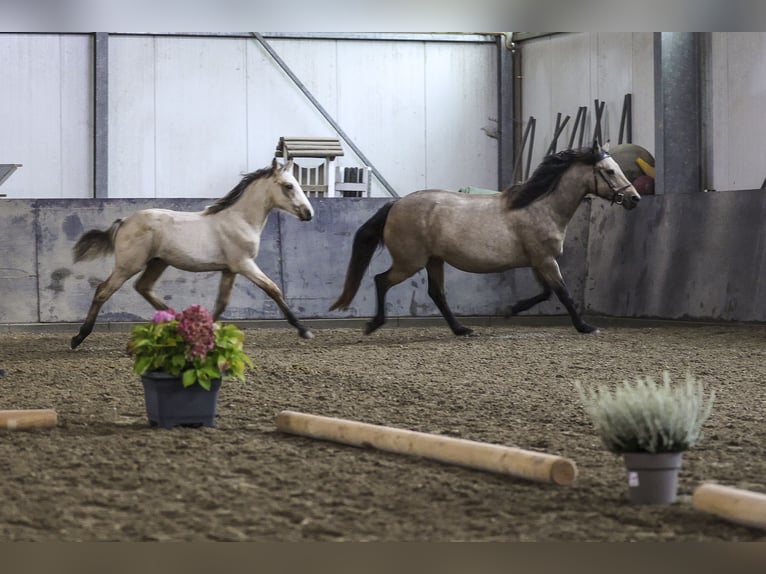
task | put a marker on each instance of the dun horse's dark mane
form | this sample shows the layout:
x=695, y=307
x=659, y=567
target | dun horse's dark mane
x=547, y=175
x=231, y=198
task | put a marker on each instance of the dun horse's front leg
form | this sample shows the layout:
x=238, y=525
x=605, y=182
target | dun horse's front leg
x=254, y=273
x=550, y=274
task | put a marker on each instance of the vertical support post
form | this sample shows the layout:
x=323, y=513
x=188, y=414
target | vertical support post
x=678, y=115
x=330, y=176
x=505, y=110
x=101, y=115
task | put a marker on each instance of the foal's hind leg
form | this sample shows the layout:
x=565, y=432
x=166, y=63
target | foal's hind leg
x=148, y=278
x=435, y=270
x=525, y=304
x=103, y=292
x=250, y=270
x=551, y=276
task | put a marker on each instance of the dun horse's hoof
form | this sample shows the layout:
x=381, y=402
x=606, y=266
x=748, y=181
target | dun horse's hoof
x=588, y=329
x=75, y=342
x=306, y=334
x=464, y=332
x=372, y=326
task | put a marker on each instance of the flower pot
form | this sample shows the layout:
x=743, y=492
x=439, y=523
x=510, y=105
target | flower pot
x=652, y=477
x=170, y=404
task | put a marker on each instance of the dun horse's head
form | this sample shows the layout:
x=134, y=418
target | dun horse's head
x=290, y=197
x=610, y=182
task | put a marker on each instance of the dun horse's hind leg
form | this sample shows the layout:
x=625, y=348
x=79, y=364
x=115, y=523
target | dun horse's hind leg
x=224, y=293
x=525, y=304
x=383, y=282
x=148, y=278
x=551, y=276
x=435, y=270
x=103, y=292
x=254, y=273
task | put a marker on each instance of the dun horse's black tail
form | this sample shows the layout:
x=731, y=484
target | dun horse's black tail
x=366, y=240
x=95, y=243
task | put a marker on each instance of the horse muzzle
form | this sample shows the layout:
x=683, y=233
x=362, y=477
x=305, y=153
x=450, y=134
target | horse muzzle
x=630, y=201
x=305, y=215
x=627, y=201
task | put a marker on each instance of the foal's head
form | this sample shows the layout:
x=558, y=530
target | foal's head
x=286, y=193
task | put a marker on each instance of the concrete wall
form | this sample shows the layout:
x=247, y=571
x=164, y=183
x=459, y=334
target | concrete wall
x=680, y=256
x=39, y=282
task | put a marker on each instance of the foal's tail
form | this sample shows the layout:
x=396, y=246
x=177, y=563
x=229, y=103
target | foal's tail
x=367, y=238
x=96, y=243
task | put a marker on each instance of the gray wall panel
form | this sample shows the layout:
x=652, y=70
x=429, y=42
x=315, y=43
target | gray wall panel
x=699, y=256
x=307, y=260
x=18, y=262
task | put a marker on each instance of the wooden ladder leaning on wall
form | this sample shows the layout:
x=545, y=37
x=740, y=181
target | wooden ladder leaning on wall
x=323, y=179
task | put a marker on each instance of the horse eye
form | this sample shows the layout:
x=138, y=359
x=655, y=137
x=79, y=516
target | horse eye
x=287, y=186
x=610, y=172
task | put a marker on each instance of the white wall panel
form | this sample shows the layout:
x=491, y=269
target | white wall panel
x=187, y=115
x=642, y=88
x=131, y=117
x=201, y=116
x=45, y=115
x=381, y=95
x=570, y=88
x=738, y=100
x=76, y=117
x=565, y=71
x=461, y=102
x=276, y=106
x=536, y=93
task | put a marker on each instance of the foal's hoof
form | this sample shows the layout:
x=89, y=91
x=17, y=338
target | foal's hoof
x=306, y=334
x=75, y=342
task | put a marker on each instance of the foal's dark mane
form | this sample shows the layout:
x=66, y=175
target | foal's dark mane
x=231, y=198
x=547, y=175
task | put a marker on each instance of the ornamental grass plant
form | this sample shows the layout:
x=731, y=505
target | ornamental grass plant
x=189, y=345
x=648, y=416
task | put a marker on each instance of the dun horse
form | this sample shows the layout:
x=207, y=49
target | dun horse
x=224, y=237
x=524, y=226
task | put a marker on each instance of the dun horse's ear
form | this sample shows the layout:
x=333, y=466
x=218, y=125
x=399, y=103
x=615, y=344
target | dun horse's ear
x=288, y=165
x=606, y=146
x=595, y=145
x=274, y=164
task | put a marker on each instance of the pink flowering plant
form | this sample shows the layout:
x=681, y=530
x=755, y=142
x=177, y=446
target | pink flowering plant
x=189, y=344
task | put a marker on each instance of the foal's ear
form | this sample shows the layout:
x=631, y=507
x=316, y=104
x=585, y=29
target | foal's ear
x=288, y=165
x=607, y=146
x=274, y=164
x=595, y=145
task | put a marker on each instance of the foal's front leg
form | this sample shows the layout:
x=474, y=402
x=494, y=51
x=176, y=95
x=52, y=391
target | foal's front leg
x=550, y=274
x=224, y=293
x=250, y=270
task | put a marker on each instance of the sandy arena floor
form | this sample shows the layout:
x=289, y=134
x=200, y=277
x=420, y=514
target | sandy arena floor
x=103, y=474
